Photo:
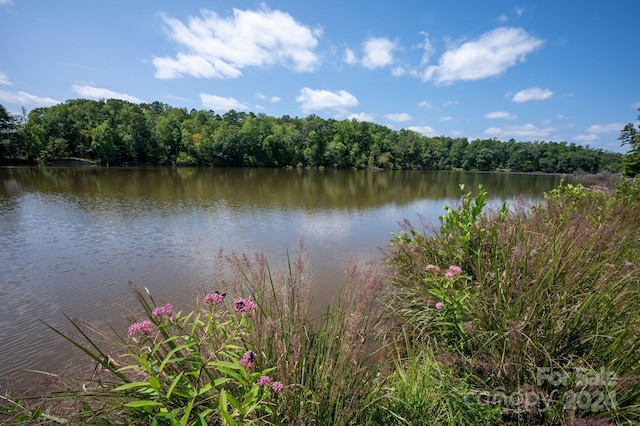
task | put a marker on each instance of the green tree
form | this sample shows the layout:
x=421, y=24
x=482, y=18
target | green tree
x=8, y=133
x=104, y=142
x=631, y=161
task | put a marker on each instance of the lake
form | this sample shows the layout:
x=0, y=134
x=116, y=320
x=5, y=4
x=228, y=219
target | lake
x=73, y=238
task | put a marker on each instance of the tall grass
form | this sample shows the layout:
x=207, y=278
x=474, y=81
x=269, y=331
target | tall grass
x=327, y=358
x=551, y=306
x=249, y=352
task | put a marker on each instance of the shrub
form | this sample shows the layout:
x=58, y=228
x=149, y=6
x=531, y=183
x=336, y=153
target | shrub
x=550, y=290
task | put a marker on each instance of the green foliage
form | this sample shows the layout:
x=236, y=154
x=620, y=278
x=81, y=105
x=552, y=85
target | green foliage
x=548, y=290
x=426, y=391
x=451, y=293
x=187, y=369
x=631, y=161
x=116, y=131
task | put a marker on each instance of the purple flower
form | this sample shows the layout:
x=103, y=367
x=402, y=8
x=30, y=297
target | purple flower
x=143, y=328
x=243, y=305
x=277, y=386
x=265, y=381
x=431, y=267
x=163, y=310
x=453, y=271
x=214, y=298
x=439, y=306
x=630, y=264
x=248, y=359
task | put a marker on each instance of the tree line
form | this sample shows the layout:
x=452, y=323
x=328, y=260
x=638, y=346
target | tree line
x=114, y=131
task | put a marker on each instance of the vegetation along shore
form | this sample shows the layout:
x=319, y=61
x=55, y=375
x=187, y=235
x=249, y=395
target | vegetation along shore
x=511, y=315
x=114, y=131
x=508, y=316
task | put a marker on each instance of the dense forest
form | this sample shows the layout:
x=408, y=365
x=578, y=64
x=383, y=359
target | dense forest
x=114, y=131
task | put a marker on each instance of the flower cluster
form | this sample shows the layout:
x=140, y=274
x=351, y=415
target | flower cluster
x=143, y=328
x=453, y=271
x=248, y=359
x=439, y=306
x=166, y=310
x=213, y=299
x=243, y=305
x=431, y=267
x=266, y=381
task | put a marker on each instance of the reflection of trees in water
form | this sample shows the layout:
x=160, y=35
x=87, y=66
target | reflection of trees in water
x=264, y=188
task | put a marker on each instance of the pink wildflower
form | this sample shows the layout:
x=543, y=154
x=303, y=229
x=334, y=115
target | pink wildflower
x=453, y=271
x=439, y=306
x=163, y=310
x=431, y=267
x=248, y=359
x=244, y=305
x=630, y=264
x=140, y=328
x=277, y=386
x=265, y=381
x=214, y=298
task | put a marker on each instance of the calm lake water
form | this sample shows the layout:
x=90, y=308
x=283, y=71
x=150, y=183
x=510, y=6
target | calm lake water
x=72, y=238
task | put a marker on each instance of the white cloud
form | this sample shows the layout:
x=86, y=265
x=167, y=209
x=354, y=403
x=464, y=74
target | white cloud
x=262, y=97
x=450, y=103
x=350, y=57
x=606, y=128
x=220, y=104
x=91, y=92
x=586, y=138
x=324, y=100
x=378, y=52
x=7, y=2
x=424, y=130
x=361, y=116
x=425, y=104
x=635, y=105
x=488, y=56
x=500, y=114
x=428, y=48
x=4, y=80
x=212, y=46
x=398, y=117
x=532, y=94
x=24, y=98
x=398, y=71
x=194, y=65
x=526, y=131
x=446, y=118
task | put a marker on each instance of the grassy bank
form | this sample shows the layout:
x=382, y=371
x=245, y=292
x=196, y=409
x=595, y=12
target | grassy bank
x=527, y=315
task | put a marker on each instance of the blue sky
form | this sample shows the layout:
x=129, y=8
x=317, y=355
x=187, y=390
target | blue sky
x=545, y=70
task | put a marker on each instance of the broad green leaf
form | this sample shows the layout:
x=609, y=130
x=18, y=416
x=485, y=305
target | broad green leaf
x=221, y=380
x=155, y=383
x=131, y=385
x=142, y=404
x=174, y=383
x=224, y=364
x=204, y=389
